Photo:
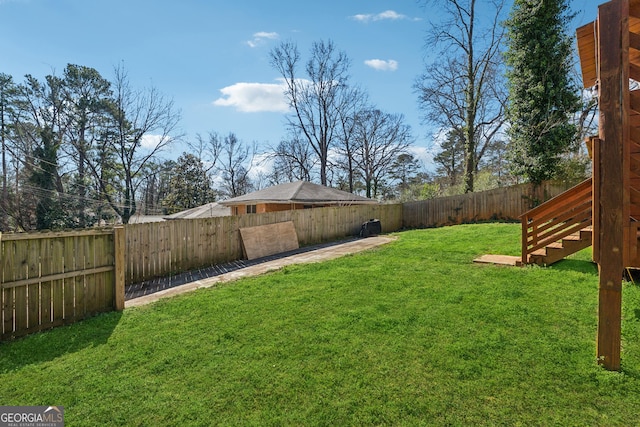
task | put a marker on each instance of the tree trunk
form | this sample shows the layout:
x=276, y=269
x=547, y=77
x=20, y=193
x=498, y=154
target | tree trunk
x=5, y=190
x=470, y=130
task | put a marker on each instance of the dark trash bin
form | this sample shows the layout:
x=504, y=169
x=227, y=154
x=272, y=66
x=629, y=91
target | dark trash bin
x=371, y=228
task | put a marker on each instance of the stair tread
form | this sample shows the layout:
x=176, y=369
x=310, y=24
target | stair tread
x=573, y=237
x=555, y=245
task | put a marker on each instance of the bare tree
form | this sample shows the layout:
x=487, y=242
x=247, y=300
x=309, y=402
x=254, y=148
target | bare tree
x=463, y=90
x=137, y=117
x=381, y=138
x=293, y=160
x=207, y=150
x=317, y=99
x=235, y=164
x=355, y=102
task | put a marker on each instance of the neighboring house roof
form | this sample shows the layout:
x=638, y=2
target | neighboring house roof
x=205, y=211
x=143, y=219
x=299, y=192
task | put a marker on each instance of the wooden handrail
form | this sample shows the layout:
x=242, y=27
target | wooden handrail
x=556, y=218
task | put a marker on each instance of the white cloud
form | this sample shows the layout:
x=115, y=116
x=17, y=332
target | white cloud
x=261, y=165
x=386, y=15
x=382, y=65
x=254, y=97
x=424, y=155
x=261, y=37
x=150, y=142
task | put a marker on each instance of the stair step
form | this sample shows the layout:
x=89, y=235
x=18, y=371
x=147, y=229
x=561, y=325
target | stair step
x=555, y=245
x=559, y=250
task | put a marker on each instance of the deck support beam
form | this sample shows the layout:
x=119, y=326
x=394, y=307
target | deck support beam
x=613, y=76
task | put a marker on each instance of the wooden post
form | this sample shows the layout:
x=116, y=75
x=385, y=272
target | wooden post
x=613, y=42
x=119, y=243
x=595, y=199
x=525, y=228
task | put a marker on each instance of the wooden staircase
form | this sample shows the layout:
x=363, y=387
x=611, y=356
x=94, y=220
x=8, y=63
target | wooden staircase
x=559, y=227
x=556, y=251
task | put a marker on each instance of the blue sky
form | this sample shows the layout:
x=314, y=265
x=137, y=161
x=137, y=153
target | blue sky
x=211, y=56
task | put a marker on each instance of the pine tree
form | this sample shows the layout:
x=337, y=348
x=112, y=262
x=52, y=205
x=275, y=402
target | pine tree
x=450, y=160
x=542, y=96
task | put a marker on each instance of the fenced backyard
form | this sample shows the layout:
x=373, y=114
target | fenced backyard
x=50, y=279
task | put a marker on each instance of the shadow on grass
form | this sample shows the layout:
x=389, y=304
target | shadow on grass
x=51, y=344
x=580, y=266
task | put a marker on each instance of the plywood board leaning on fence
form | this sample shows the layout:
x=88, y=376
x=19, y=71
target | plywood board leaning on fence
x=265, y=240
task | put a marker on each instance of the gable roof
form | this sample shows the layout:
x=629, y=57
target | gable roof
x=299, y=192
x=205, y=211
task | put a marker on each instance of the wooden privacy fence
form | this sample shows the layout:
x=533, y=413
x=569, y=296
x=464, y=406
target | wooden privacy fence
x=161, y=248
x=50, y=279
x=506, y=203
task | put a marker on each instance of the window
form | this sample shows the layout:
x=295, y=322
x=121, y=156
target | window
x=251, y=209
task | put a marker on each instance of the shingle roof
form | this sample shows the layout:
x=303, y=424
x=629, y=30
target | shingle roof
x=205, y=211
x=299, y=192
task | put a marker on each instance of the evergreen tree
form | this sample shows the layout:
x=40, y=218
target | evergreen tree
x=542, y=96
x=450, y=160
x=49, y=211
x=7, y=94
x=404, y=170
x=189, y=185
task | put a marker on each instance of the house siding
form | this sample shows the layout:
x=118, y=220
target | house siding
x=272, y=207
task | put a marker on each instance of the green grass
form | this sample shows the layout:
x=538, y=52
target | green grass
x=412, y=333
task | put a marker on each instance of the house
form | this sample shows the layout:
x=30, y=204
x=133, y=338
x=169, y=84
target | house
x=293, y=195
x=209, y=210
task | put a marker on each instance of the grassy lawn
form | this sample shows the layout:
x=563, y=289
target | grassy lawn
x=412, y=333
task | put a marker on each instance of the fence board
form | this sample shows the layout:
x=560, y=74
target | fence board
x=7, y=312
x=57, y=286
x=46, y=266
x=33, y=291
x=8, y=298
x=98, y=279
x=91, y=302
x=20, y=272
x=499, y=204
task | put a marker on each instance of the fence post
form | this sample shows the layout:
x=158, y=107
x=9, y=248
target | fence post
x=119, y=243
